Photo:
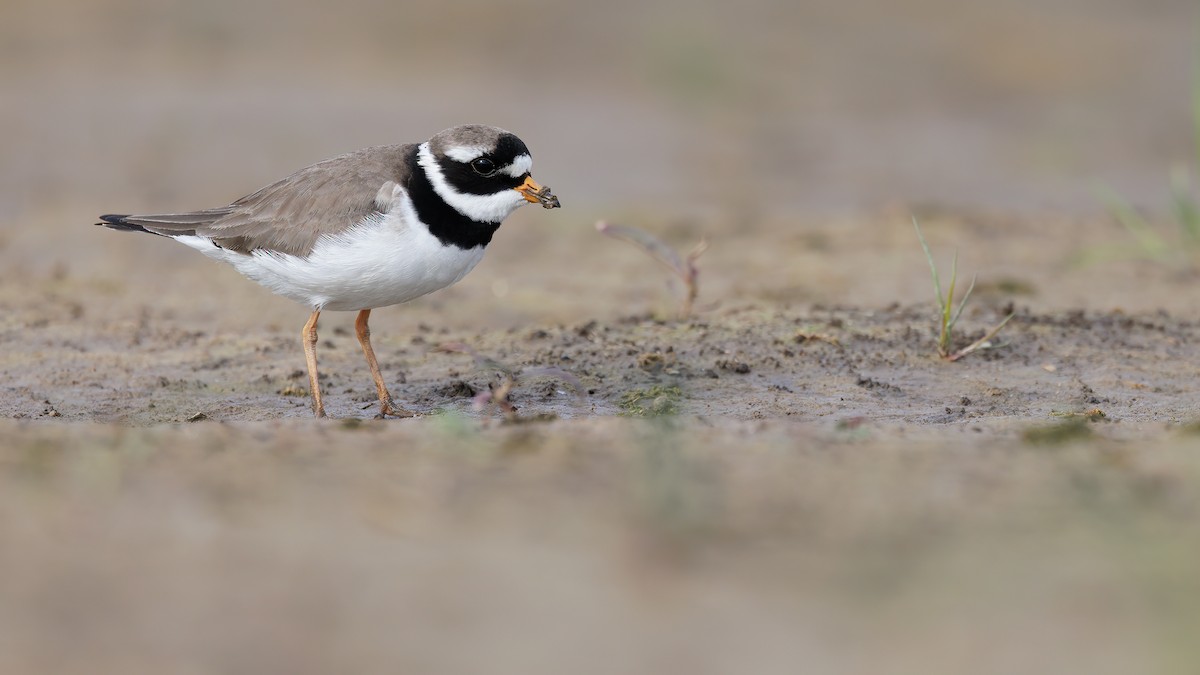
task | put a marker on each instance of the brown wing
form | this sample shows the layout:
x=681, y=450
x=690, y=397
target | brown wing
x=290, y=215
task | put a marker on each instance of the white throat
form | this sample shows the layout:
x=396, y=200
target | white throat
x=491, y=208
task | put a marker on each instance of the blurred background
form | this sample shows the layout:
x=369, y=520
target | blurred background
x=797, y=136
x=748, y=123
x=760, y=107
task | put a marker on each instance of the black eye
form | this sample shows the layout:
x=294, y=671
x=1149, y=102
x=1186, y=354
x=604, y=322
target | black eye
x=483, y=166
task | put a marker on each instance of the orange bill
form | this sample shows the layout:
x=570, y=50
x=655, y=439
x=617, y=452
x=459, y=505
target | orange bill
x=537, y=194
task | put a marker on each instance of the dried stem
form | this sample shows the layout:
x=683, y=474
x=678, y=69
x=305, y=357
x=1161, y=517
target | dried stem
x=981, y=343
x=684, y=268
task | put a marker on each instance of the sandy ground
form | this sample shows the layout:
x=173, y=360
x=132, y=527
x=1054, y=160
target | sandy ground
x=770, y=482
x=788, y=480
x=105, y=350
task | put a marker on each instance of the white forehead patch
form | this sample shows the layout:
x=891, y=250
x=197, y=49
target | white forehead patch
x=520, y=166
x=465, y=153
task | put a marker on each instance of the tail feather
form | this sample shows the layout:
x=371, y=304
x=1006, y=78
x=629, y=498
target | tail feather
x=122, y=223
x=167, y=224
x=118, y=222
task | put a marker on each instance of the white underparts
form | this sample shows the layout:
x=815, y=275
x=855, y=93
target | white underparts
x=383, y=260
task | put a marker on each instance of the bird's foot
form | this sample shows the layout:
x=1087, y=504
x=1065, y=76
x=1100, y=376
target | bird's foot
x=388, y=408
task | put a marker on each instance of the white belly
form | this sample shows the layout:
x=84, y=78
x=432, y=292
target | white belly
x=384, y=260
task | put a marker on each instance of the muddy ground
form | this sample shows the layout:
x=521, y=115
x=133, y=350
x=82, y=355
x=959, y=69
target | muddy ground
x=139, y=360
x=788, y=480
x=773, y=481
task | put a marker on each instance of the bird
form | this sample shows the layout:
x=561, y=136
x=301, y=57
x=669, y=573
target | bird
x=367, y=229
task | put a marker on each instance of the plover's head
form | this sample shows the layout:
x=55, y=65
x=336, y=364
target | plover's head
x=482, y=171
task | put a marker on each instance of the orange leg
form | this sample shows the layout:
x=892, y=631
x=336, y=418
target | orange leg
x=386, y=406
x=309, y=337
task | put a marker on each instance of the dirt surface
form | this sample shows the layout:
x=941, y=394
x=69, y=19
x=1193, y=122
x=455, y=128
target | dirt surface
x=104, y=350
x=788, y=480
x=826, y=366
x=770, y=482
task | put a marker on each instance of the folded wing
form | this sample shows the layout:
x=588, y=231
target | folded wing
x=289, y=216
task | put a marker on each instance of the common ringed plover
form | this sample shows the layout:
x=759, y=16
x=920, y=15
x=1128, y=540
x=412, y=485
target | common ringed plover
x=367, y=229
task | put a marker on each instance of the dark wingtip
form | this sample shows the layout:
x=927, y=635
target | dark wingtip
x=117, y=222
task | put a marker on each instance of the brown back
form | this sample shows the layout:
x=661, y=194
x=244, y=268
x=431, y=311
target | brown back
x=290, y=215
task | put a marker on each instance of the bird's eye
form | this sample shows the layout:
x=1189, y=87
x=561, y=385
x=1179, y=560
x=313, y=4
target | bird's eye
x=483, y=166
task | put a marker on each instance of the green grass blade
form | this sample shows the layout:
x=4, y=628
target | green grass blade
x=1152, y=244
x=950, y=291
x=962, y=305
x=1196, y=95
x=937, y=284
x=1186, y=209
x=948, y=307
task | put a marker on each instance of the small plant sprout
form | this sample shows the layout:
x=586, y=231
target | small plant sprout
x=1184, y=206
x=683, y=267
x=1151, y=243
x=497, y=396
x=947, y=314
